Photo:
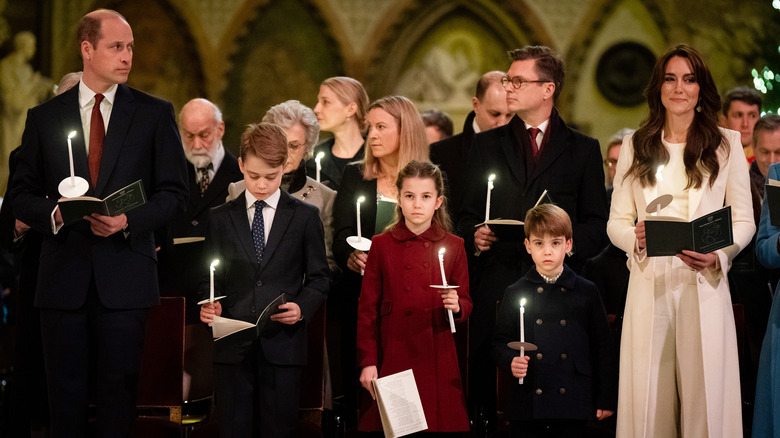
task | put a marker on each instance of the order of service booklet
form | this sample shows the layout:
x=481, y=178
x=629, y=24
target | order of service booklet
x=667, y=236
x=121, y=201
x=224, y=327
x=400, y=407
x=772, y=190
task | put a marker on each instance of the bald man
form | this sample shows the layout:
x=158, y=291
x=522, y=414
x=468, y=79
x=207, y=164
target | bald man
x=210, y=170
x=489, y=110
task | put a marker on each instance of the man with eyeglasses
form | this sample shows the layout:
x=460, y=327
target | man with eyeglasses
x=534, y=152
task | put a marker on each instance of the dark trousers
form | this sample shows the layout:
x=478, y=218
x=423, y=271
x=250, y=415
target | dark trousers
x=550, y=428
x=257, y=399
x=96, y=346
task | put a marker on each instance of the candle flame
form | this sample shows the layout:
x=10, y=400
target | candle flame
x=361, y=199
x=522, y=302
x=71, y=134
x=214, y=263
x=658, y=175
x=441, y=251
x=319, y=156
x=491, y=177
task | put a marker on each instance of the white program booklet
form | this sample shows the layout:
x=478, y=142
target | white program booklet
x=399, y=404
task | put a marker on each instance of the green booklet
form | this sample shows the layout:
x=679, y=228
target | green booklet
x=667, y=236
x=385, y=212
x=121, y=201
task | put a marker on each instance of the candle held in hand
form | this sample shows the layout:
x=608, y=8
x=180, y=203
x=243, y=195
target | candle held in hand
x=212, y=268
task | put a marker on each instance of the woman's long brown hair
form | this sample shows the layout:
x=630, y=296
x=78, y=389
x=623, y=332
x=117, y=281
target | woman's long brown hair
x=703, y=139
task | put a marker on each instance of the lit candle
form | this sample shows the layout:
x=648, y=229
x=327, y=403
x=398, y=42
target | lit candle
x=319, y=166
x=522, y=331
x=359, y=201
x=489, y=189
x=70, y=155
x=444, y=283
x=211, y=283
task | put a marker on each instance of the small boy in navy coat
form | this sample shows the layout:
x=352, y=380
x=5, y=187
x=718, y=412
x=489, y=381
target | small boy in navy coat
x=267, y=243
x=572, y=377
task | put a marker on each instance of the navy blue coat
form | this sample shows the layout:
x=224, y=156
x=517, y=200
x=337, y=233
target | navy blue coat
x=574, y=371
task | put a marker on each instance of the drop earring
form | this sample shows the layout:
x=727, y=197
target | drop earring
x=698, y=107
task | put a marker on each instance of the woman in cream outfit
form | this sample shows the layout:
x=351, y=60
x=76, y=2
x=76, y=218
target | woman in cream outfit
x=679, y=374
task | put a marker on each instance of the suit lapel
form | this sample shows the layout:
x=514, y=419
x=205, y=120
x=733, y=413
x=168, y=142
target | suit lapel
x=558, y=142
x=694, y=198
x=71, y=121
x=510, y=146
x=118, y=126
x=284, y=213
x=241, y=223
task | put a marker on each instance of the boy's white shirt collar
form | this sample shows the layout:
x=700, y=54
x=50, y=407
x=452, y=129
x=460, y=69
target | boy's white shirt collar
x=272, y=201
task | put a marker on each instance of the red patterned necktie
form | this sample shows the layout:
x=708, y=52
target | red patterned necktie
x=97, y=131
x=534, y=132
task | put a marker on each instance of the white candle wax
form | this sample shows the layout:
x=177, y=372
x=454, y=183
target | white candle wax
x=360, y=199
x=487, y=203
x=319, y=166
x=212, y=268
x=441, y=266
x=522, y=320
x=522, y=331
x=70, y=156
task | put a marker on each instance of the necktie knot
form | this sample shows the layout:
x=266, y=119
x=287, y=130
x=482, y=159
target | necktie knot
x=99, y=98
x=260, y=205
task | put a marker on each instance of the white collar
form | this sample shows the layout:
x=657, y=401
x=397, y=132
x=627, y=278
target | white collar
x=272, y=201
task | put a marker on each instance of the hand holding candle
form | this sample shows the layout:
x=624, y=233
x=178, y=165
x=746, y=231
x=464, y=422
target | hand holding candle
x=317, y=160
x=444, y=283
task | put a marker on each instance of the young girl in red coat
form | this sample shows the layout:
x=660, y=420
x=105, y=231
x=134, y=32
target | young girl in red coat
x=402, y=321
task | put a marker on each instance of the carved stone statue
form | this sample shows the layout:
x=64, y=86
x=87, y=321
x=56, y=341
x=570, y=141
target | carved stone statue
x=21, y=88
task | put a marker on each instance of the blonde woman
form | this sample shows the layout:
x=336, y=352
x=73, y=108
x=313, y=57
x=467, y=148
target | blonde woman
x=341, y=109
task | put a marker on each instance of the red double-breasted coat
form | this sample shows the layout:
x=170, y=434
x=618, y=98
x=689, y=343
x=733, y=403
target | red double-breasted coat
x=402, y=322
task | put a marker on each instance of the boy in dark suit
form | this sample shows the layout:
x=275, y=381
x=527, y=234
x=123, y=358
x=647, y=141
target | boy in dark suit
x=572, y=377
x=267, y=243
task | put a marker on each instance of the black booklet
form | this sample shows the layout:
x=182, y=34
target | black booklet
x=121, y=201
x=667, y=236
x=772, y=190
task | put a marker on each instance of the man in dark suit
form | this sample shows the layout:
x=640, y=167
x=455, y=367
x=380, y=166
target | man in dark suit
x=210, y=170
x=98, y=277
x=267, y=243
x=536, y=151
x=451, y=154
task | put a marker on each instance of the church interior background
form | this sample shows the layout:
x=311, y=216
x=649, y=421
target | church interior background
x=247, y=55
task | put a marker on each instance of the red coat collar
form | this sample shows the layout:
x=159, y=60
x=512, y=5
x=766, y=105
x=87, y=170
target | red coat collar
x=401, y=233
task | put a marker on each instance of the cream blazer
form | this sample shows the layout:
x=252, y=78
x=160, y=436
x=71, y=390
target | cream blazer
x=721, y=373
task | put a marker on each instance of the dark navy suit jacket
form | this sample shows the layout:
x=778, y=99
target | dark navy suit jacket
x=294, y=263
x=142, y=143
